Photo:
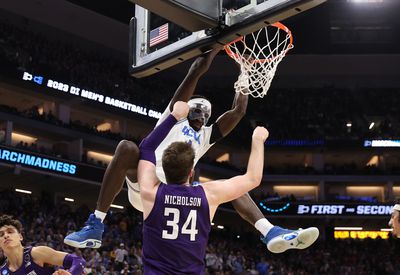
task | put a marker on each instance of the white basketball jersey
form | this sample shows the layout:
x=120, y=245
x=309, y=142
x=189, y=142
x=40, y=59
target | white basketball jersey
x=182, y=131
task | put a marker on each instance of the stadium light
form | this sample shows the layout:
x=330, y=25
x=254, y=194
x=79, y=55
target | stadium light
x=106, y=126
x=69, y=199
x=374, y=161
x=23, y=191
x=17, y=137
x=220, y=226
x=348, y=124
x=347, y=228
x=371, y=125
x=387, y=229
x=363, y=190
x=117, y=206
x=204, y=179
x=212, y=223
x=99, y=156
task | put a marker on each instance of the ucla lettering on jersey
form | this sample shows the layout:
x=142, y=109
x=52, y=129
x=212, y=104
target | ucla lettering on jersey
x=189, y=132
x=182, y=131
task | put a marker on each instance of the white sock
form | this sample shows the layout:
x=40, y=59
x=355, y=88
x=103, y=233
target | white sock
x=100, y=215
x=264, y=226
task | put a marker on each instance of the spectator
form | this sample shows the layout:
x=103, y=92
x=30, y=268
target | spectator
x=121, y=255
x=262, y=267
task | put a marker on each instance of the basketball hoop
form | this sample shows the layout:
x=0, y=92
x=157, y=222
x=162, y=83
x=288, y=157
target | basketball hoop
x=258, y=55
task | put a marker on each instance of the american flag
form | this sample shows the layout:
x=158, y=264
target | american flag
x=159, y=35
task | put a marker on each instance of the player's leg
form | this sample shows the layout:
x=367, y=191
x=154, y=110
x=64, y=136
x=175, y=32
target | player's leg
x=248, y=210
x=276, y=238
x=124, y=162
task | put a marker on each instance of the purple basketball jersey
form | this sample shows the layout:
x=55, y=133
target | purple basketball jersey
x=175, y=234
x=28, y=267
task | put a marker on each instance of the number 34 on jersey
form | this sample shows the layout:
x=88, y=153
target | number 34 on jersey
x=189, y=227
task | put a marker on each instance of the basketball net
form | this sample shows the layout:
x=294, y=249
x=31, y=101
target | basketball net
x=258, y=55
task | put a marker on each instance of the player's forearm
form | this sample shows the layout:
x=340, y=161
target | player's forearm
x=197, y=69
x=154, y=139
x=240, y=103
x=255, y=165
x=186, y=89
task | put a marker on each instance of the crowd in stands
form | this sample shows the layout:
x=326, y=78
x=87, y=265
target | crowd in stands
x=229, y=251
x=328, y=169
x=289, y=114
x=27, y=50
x=325, y=114
x=301, y=114
x=268, y=170
x=33, y=113
x=330, y=197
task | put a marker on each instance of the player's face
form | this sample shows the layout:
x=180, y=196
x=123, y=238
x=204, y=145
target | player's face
x=199, y=113
x=198, y=117
x=395, y=224
x=198, y=122
x=9, y=237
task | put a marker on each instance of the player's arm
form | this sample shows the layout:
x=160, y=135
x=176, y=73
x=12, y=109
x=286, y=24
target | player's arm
x=228, y=120
x=71, y=263
x=147, y=164
x=188, y=85
x=223, y=191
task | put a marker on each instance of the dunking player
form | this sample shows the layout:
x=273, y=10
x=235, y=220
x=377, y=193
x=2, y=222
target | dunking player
x=192, y=130
x=394, y=222
x=177, y=216
x=33, y=260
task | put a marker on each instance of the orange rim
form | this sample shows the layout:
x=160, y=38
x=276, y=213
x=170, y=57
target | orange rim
x=278, y=25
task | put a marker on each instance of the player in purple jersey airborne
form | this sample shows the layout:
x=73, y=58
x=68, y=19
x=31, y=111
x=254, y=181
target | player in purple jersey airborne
x=177, y=216
x=38, y=260
x=193, y=130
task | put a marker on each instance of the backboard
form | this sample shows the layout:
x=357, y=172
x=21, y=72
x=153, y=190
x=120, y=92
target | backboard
x=156, y=43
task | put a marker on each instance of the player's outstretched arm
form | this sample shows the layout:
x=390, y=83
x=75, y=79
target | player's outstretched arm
x=228, y=120
x=147, y=177
x=71, y=263
x=188, y=85
x=223, y=191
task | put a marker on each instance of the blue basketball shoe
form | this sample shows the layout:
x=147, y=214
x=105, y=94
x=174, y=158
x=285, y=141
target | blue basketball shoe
x=89, y=236
x=279, y=240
